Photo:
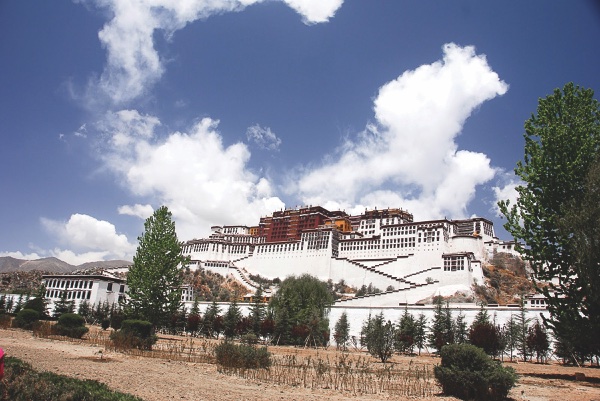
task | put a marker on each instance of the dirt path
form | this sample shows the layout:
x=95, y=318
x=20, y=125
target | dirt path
x=159, y=380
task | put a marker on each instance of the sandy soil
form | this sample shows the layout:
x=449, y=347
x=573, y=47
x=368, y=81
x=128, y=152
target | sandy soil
x=159, y=379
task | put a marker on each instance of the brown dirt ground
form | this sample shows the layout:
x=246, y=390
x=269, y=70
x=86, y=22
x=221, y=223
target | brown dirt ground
x=162, y=379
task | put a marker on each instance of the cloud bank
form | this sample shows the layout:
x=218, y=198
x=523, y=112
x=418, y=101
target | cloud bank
x=409, y=157
x=133, y=64
x=202, y=181
x=88, y=239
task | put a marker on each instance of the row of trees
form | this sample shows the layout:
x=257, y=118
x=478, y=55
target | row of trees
x=382, y=338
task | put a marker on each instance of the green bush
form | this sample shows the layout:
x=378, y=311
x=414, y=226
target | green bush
x=22, y=383
x=242, y=356
x=468, y=373
x=134, y=334
x=71, y=320
x=70, y=325
x=249, y=338
x=25, y=319
x=37, y=304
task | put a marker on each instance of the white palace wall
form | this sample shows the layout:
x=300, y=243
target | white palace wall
x=415, y=259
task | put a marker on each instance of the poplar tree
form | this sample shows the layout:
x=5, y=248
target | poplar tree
x=154, y=280
x=555, y=218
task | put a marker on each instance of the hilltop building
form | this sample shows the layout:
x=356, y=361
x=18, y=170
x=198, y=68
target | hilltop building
x=411, y=260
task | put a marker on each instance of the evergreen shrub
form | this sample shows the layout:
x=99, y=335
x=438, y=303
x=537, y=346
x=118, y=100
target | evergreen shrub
x=134, y=334
x=468, y=373
x=71, y=325
x=242, y=356
x=25, y=319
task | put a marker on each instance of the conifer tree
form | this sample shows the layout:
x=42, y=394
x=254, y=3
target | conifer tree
x=406, y=332
x=461, y=334
x=522, y=323
x=342, y=331
x=511, y=334
x=85, y=309
x=231, y=320
x=63, y=305
x=421, y=332
x=9, y=304
x=19, y=304
x=257, y=311
x=379, y=337
x=441, y=330
x=209, y=327
x=154, y=280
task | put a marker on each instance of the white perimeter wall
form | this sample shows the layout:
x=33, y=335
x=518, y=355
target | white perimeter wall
x=357, y=315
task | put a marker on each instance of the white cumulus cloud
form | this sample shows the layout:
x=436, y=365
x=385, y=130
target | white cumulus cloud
x=137, y=210
x=21, y=255
x=133, y=64
x=506, y=190
x=315, y=11
x=202, y=181
x=264, y=138
x=409, y=156
x=88, y=239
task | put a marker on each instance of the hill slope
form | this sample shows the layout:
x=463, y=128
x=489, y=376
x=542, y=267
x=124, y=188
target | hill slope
x=52, y=265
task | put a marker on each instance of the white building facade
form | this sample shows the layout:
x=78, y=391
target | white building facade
x=95, y=289
x=414, y=260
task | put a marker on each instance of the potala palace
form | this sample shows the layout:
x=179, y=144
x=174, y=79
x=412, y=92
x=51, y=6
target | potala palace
x=385, y=248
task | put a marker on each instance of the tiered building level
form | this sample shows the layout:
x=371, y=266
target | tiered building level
x=410, y=260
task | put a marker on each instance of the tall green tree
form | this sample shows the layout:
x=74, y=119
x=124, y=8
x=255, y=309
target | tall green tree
x=580, y=326
x=522, y=323
x=562, y=142
x=511, y=335
x=155, y=278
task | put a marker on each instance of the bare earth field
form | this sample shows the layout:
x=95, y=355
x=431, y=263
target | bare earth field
x=156, y=379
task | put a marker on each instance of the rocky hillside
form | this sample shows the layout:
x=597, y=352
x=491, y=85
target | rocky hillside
x=212, y=286
x=506, y=280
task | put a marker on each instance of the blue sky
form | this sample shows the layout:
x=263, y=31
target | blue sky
x=228, y=110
